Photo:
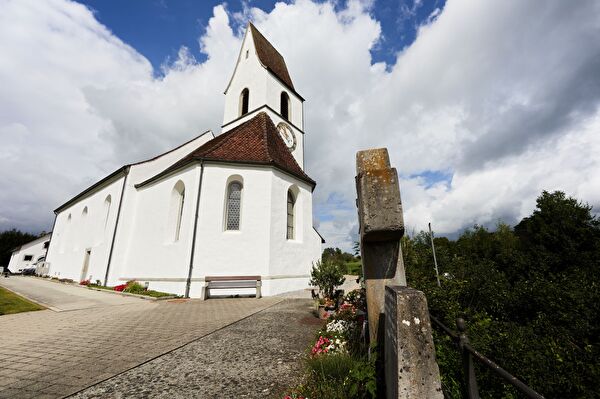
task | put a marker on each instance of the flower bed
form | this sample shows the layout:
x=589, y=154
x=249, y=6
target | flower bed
x=337, y=365
x=133, y=287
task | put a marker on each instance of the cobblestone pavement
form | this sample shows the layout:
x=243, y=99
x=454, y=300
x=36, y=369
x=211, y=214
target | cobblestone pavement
x=258, y=357
x=50, y=354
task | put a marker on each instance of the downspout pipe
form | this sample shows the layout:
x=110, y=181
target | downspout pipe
x=112, y=243
x=189, y=277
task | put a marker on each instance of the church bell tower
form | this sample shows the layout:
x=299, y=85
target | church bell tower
x=261, y=83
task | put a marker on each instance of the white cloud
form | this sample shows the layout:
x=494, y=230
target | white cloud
x=503, y=95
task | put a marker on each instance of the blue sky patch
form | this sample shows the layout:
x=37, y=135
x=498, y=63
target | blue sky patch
x=432, y=177
x=157, y=29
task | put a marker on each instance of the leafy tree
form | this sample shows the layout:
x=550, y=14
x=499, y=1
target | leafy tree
x=327, y=276
x=9, y=240
x=530, y=297
x=347, y=262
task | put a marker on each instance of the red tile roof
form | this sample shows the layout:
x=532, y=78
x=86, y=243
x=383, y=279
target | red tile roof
x=256, y=141
x=270, y=57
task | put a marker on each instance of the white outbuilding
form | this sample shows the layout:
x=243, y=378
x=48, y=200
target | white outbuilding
x=238, y=204
x=29, y=255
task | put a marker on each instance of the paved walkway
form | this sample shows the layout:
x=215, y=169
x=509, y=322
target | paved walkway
x=258, y=357
x=62, y=297
x=54, y=354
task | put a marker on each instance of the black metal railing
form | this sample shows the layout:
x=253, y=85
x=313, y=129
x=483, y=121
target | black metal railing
x=468, y=353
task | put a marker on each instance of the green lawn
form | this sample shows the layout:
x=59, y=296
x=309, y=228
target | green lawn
x=13, y=303
x=354, y=268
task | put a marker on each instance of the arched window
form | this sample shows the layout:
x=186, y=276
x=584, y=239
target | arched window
x=107, y=203
x=285, y=106
x=233, y=206
x=84, y=213
x=291, y=205
x=244, y=100
x=176, y=211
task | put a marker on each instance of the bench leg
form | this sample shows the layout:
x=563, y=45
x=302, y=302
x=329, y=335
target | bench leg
x=258, y=289
x=204, y=292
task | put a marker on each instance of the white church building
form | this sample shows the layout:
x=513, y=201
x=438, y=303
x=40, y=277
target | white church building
x=237, y=204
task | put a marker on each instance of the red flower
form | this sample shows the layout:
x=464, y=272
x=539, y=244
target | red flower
x=120, y=287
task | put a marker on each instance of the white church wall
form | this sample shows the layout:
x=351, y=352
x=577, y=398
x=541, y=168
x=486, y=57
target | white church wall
x=264, y=89
x=72, y=237
x=291, y=260
x=232, y=253
x=28, y=254
x=138, y=173
x=75, y=233
x=273, y=99
x=153, y=252
x=248, y=74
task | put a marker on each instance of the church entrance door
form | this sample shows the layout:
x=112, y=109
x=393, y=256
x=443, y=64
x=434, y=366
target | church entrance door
x=86, y=264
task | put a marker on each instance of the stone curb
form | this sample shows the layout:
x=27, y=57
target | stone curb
x=146, y=297
x=74, y=284
x=30, y=299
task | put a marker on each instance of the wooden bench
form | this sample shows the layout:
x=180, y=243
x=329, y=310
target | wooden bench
x=230, y=282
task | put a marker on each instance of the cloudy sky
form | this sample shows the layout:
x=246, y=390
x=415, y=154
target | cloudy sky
x=482, y=104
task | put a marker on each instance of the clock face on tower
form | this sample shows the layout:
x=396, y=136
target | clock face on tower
x=287, y=134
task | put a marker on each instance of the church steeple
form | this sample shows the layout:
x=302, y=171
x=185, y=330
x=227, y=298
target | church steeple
x=261, y=82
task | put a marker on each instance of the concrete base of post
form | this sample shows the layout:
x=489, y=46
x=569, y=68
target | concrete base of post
x=410, y=367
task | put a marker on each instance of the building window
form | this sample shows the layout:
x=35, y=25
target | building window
x=27, y=258
x=233, y=207
x=107, y=203
x=247, y=52
x=244, y=100
x=285, y=106
x=46, y=244
x=177, y=203
x=291, y=202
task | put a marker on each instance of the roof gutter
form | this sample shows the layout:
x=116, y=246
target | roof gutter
x=189, y=277
x=112, y=243
x=91, y=188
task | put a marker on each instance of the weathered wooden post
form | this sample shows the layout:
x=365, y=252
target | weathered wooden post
x=381, y=228
x=398, y=315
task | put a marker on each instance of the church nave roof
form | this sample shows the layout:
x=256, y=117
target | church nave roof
x=255, y=141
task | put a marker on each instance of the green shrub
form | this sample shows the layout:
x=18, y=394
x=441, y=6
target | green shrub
x=133, y=287
x=327, y=276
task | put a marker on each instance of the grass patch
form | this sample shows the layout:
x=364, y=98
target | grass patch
x=12, y=303
x=338, y=376
x=354, y=268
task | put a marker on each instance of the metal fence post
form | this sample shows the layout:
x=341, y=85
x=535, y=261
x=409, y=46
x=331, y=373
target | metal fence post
x=467, y=361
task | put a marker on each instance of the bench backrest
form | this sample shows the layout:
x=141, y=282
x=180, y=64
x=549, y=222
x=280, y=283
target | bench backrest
x=231, y=278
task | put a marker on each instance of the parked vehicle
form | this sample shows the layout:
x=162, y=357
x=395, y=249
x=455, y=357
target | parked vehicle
x=28, y=271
